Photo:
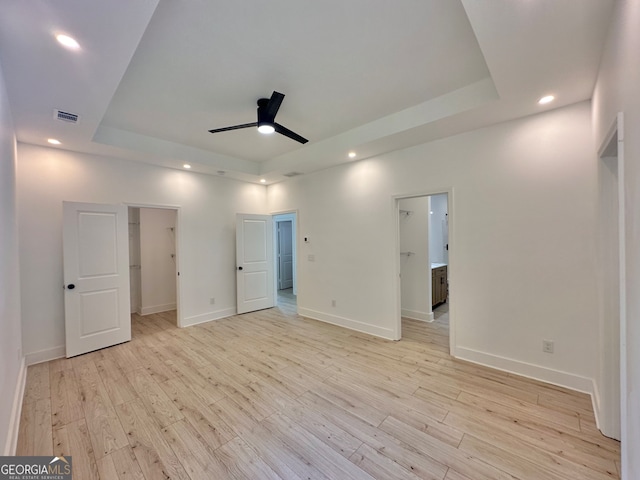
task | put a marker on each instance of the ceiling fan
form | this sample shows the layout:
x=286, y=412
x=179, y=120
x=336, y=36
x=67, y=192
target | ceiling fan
x=267, y=110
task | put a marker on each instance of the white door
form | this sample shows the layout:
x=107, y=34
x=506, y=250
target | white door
x=285, y=254
x=254, y=257
x=96, y=276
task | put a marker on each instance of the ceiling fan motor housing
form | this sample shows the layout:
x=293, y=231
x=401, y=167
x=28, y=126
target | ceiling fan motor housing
x=263, y=114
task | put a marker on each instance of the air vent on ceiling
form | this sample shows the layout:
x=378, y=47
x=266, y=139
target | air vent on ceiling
x=65, y=116
x=292, y=174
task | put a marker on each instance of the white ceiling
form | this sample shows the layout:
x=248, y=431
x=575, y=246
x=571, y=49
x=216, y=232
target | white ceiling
x=372, y=76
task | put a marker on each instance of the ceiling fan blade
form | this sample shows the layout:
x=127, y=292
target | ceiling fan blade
x=288, y=133
x=234, y=127
x=273, y=106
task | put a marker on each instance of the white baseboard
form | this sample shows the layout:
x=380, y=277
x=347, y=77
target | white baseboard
x=45, y=355
x=11, y=442
x=544, y=374
x=157, y=309
x=356, y=325
x=415, y=315
x=208, y=317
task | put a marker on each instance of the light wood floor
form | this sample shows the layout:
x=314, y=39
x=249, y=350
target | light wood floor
x=271, y=395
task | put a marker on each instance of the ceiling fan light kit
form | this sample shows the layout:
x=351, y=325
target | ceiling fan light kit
x=267, y=110
x=266, y=129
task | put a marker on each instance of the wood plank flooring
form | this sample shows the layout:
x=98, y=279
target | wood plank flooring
x=271, y=395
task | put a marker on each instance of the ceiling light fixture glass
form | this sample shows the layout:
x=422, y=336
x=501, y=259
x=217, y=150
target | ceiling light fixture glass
x=266, y=129
x=186, y=165
x=546, y=99
x=53, y=141
x=262, y=180
x=352, y=154
x=68, y=41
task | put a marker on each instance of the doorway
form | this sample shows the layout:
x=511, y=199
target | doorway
x=285, y=228
x=153, y=261
x=423, y=262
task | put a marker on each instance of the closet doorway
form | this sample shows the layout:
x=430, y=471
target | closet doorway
x=423, y=266
x=153, y=261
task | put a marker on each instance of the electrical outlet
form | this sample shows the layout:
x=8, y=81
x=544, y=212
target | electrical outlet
x=547, y=346
x=333, y=303
x=212, y=301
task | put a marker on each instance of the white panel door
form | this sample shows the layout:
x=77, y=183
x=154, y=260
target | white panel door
x=96, y=276
x=254, y=256
x=285, y=254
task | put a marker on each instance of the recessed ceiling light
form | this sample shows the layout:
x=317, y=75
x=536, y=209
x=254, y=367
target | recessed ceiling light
x=352, y=154
x=186, y=165
x=262, y=180
x=53, y=141
x=68, y=41
x=546, y=99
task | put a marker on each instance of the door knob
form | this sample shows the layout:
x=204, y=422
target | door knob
x=239, y=268
x=71, y=286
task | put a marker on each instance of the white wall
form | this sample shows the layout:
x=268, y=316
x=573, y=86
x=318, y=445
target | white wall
x=415, y=268
x=11, y=361
x=438, y=229
x=47, y=176
x=157, y=260
x=522, y=234
x=617, y=91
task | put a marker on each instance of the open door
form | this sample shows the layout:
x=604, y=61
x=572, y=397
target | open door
x=254, y=257
x=96, y=276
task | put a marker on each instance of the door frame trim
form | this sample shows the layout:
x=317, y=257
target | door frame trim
x=617, y=130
